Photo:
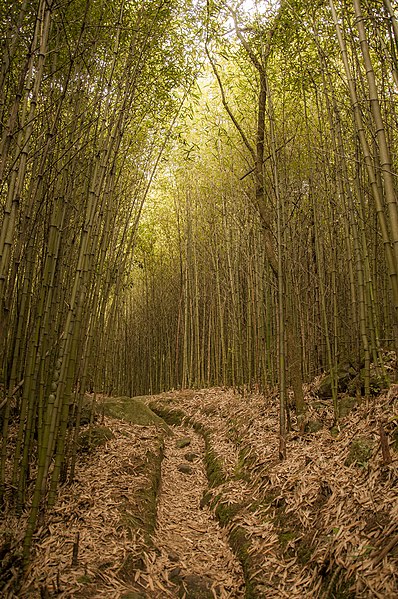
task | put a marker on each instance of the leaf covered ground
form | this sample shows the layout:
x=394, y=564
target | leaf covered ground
x=323, y=523
x=205, y=509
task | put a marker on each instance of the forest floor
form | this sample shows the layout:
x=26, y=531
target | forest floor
x=202, y=508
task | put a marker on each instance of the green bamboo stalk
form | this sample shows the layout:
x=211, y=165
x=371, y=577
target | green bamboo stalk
x=378, y=201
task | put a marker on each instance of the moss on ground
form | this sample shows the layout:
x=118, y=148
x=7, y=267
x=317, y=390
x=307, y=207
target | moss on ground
x=184, y=442
x=143, y=517
x=225, y=512
x=209, y=410
x=240, y=543
x=246, y=459
x=169, y=415
x=86, y=413
x=214, y=470
x=313, y=426
x=360, y=452
x=285, y=536
x=94, y=437
x=134, y=410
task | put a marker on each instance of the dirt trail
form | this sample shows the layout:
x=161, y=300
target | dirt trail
x=135, y=512
x=191, y=549
x=323, y=523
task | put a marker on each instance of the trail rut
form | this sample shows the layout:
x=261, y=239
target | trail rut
x=135, y=508
x=190, y=548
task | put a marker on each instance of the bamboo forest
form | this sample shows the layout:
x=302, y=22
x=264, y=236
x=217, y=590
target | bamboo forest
x=199, y=299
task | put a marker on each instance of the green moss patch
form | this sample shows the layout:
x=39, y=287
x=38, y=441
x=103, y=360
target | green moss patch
x=184, y=442
x=133, y=410
x=225, y=512
x=313, y=426
x=247, y=459
x=94, y=437
x=240, y=543
x=360, y=452
x=169, y=415
x=285, y=536
x=214, y=471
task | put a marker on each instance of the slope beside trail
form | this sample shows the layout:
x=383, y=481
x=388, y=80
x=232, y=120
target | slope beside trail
x=324, y=522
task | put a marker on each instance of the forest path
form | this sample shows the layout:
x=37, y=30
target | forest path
x=144, y=509
x=190, y=548
x=133, y=524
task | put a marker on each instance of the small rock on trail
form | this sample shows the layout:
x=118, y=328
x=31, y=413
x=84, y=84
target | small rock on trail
x=184, y=468
x=191, y=457
x=183, y=442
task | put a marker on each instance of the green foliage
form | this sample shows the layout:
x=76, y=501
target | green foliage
x=360, y=452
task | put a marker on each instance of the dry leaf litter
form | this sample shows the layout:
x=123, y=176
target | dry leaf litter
x=113, y=560
x=316, y=522
x=95, y=508
x=194, y=550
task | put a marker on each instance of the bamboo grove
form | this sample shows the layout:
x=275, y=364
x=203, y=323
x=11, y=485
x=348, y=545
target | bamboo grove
x=296, y=124
x=163, y=227
x=89, y=91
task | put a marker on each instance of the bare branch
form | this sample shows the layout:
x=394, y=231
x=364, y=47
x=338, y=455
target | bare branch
x=227, y=108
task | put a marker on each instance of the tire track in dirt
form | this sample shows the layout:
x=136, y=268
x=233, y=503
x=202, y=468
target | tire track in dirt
x=191, y=557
